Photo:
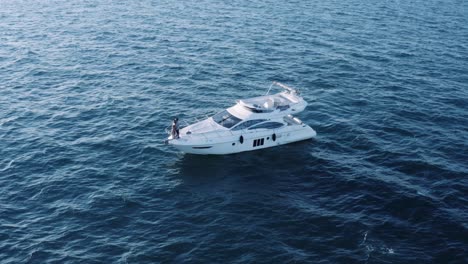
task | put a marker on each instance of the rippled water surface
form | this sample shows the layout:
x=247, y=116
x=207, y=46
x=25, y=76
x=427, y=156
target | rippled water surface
x=88, y=87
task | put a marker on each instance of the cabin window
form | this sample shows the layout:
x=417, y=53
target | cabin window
x=225, y=119
x=258, y=142
x=283, y=107
x=268, y=125
x=248, y=124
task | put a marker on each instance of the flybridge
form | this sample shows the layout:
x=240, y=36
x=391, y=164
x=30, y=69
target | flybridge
x=286, y=102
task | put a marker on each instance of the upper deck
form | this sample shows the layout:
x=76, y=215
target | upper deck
x=267, y=106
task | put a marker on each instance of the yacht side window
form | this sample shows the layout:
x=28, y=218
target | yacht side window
x=248, y=124
x=268, y=125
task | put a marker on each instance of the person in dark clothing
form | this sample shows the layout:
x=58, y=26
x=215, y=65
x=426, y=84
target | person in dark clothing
x=175, y=128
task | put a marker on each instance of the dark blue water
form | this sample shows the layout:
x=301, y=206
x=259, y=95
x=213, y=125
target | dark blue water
x=87, y=88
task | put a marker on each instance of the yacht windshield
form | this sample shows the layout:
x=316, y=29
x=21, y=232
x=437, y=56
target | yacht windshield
x=225, y=119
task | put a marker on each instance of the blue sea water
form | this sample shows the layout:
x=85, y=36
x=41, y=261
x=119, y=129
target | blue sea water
x=88, y=87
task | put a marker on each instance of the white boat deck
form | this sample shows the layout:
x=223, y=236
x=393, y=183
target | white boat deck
x=220, y=133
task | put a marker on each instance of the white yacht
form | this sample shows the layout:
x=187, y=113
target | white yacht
x=251, y=124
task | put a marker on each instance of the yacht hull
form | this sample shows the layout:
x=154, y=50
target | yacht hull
x=250, y=141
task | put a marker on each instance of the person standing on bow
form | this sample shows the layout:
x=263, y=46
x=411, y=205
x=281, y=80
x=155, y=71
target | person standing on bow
x=175, y=129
